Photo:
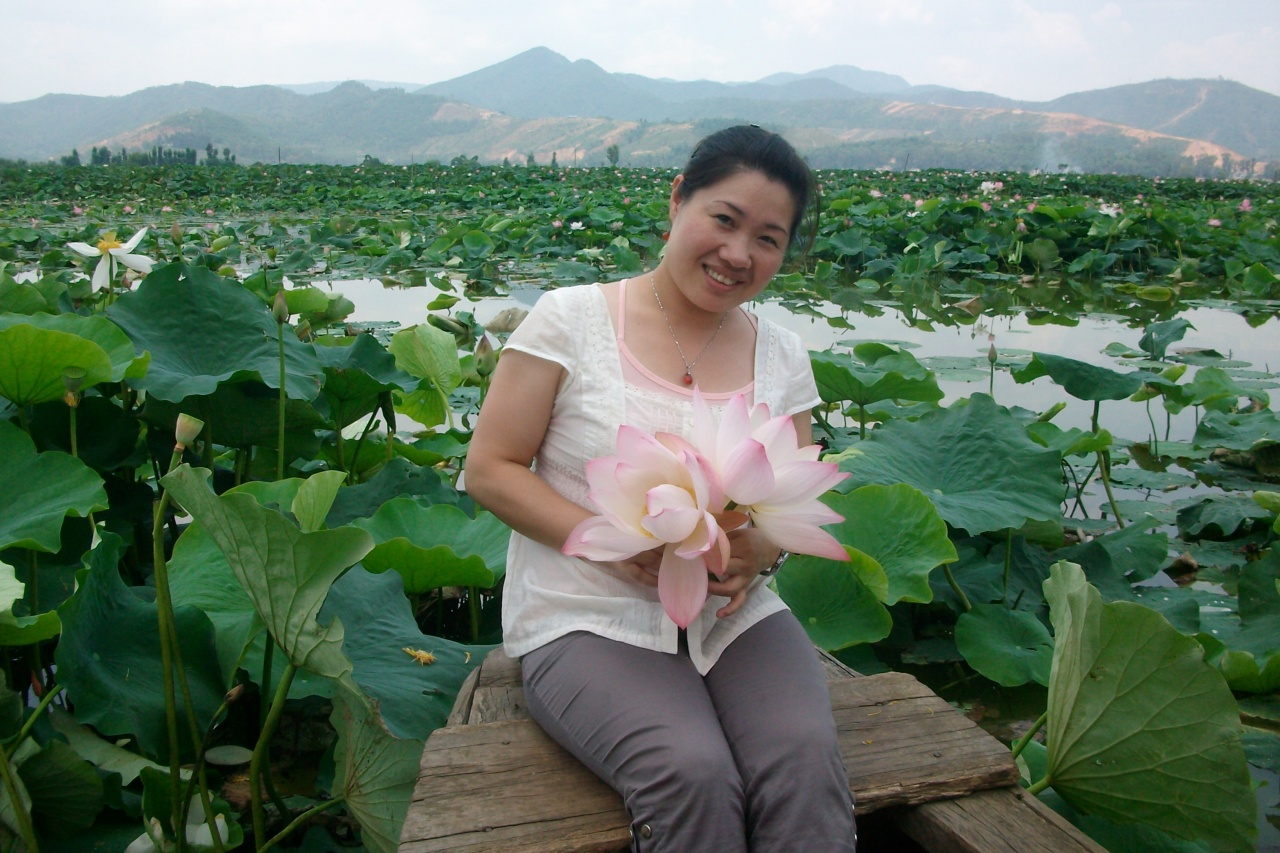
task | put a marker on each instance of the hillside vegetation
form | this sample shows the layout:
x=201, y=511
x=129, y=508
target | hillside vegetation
x=541, y=104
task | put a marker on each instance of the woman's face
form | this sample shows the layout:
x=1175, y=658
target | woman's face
x=728, y=239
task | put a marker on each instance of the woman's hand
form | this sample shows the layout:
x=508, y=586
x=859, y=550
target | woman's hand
x=642, y=568
x=750, y=553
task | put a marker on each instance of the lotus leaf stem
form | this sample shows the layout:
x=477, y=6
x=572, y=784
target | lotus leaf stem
x=955, y=587
x=1104, y=468
x=23, y=818
x=473, y=611
x=283, y=399
x=1155, y=440
x=1035, y=789
x=164, y=610
x=300, y=820
x=199, y=776
x=1021, y=743
x=368, y=427
x=260, y=752
x=1008, y=562
x=35, y=716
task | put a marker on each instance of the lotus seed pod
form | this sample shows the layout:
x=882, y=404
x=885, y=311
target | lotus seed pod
x=73, y=379
x=187, y=430
x=280, y=307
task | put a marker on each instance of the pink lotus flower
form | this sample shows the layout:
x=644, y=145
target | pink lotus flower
x=1215, y=223
x=1246, y=206
x=769, y=477
x=663, y=491
x=112, y=251
x=128, y=208
x=656, y=493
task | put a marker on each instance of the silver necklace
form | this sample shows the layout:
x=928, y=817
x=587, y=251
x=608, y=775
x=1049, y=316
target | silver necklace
x=688, y=365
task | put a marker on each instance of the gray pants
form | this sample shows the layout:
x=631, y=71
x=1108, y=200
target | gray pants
x=743, y=759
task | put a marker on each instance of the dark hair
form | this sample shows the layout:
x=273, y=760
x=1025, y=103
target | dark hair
x=748, y=147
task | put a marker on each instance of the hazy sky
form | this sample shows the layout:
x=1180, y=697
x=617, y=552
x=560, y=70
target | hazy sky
x=1030, y=49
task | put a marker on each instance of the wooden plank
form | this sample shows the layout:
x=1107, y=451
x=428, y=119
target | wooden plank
x=1001, y=820
x=507, y=786
x=902, y=744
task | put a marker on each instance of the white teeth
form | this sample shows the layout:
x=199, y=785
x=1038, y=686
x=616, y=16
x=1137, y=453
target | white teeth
x=715, y=275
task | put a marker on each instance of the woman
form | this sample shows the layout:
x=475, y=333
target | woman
x=719, y=737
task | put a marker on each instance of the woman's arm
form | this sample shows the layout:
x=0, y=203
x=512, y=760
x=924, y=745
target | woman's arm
x=512, y=424
x=511, y=427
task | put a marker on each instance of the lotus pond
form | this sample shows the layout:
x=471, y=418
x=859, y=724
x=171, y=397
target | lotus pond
x=1052, y=393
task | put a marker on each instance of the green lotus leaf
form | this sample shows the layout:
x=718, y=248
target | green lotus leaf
x=1010, y=647
x=96, y=329
x=33, y=361
x=1249, y=652
x=1269, y=501
x=431, y=355
x=1217, y=390
x=202, y=330
x=107, y=434
x=1157, y=336
x=103, y=754
x=108, y=657
x=398, y=478
x=374, y=771
x=835, y=607
x=1219, y=516
x=66, y=794
x=1080, y=379
x=414, y=698
x=1138, y=551
x=8, y=816
x=885, y=373
x=38, y=490
x=901, y=530
x=201, y=577
x=315, y=498
x=22, y=630
x=286, y=572
x=435, y=447
x=436, y=546
x=243, y=414
x=356, y=374
x=1141, y=729
x=973, y=460
x=1069, y=442
x=1238, y=431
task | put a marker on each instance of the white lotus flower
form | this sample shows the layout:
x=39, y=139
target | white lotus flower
x=111, y=251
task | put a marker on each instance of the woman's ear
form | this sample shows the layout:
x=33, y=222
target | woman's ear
x=674, y=203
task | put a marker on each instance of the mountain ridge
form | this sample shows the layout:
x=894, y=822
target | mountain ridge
x=539, y=102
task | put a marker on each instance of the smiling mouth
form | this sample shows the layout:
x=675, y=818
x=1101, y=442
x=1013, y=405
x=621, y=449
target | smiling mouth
x=720, y=278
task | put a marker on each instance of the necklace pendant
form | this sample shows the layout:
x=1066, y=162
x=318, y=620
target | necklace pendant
x=688, y=378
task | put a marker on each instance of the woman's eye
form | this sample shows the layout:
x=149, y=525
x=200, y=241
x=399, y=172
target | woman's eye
x=770, y=241
x=724, y=219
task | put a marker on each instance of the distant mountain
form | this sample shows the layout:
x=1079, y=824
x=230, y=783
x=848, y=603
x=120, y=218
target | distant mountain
x=317, y=88
x=541, y=103
x=850, y=76
x=1220, y=111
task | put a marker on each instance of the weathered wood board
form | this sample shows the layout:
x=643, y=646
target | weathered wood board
x=506, y=786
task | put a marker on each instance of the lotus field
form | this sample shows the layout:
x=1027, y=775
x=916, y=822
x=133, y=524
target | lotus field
x=241, y=582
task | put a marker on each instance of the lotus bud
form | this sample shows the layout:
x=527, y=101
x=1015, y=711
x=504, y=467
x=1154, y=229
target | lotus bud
x=187, y=430
x=991, y=354
x=221, y=243
x=233, y=694
x=271, y=253
x=486, y=359
x=303, y=330
x=175, y=234
x=280, y=307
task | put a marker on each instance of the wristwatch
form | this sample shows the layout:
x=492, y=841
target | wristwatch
x=777, y=564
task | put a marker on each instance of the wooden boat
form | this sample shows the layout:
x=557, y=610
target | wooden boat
x=490, y=780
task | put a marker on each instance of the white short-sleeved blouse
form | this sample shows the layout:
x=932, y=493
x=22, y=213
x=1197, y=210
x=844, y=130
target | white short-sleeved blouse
x=548, y=594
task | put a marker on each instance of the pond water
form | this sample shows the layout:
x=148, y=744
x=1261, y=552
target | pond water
x=1015, y=336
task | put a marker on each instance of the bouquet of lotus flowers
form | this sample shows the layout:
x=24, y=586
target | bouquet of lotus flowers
x=664, y=491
